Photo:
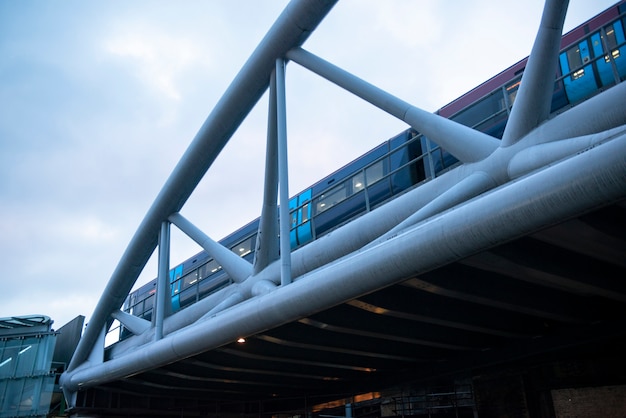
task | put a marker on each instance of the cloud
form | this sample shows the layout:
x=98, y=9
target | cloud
x=155, y=58
x=101, y=99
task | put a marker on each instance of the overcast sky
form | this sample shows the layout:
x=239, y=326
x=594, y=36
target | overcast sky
x=99, y=100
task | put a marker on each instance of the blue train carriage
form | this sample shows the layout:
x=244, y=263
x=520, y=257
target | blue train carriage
x=141, y=301
x=593, y=56
x=408, y=159
x=195, y=278
x=591, y=60
x=387, y=170
x=202, y=275
x=356, y=188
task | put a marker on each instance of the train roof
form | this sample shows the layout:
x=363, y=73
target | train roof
x=501, y=78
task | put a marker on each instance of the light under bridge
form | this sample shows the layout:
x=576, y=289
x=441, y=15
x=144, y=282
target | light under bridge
x=515, y=255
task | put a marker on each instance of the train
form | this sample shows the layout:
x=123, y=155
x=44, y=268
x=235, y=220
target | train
x=592, y=59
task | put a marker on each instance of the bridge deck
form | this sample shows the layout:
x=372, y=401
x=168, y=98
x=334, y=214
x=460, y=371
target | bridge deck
x=549, y=295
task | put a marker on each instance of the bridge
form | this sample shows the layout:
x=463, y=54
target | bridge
x=513, y=258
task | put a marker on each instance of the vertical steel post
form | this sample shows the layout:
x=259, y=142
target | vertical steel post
x=163, y=279
x=283, y=174
x=267, y=245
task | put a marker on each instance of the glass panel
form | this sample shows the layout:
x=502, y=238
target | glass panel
x=30, y=391
x=330, y=198
x=573, y=57
x=243, y=248
x=7, y=350
x=45, y=355
x=3, y=389
x=13, y=395
x=511, y=91
x=9, y=358
x=614, y=37
x=149, y=303
x=358, y=182
x=305, y=213
x=114, y=334
x=147, y=315
x=136, y=308
x=190, y=279
x=374, y=173
x=130, y=303
x=481, y=110
x=294, y=219
x=46, y=394
x=26, y=356
x=209, y=268
x=611, y=38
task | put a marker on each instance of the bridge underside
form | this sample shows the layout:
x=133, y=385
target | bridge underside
x=558, y=295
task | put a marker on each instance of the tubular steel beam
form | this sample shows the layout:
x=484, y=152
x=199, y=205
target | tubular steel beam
x=466, y=144
x=283, y=174
x=267, y=238
x=581, y=183
x=290, y=30
x=237, y=268
x=533, y=100
x=588, y=173
x=163, y=284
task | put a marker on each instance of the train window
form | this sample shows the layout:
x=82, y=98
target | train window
x=244, y=247
x=148, y=303
x=190, y=279
x=131, y=303
x=330, y=198
x=614, y=36
x=573, y=57
x=575, y=61
x=358, y=182
x=305, y=213
x=482, y=110
x=208, y=269
x=374, y=173
x=611, y=38
x=511, y=91
x=614, y=55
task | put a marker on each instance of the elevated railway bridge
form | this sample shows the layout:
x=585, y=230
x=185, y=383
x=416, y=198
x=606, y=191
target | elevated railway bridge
x=496, y=248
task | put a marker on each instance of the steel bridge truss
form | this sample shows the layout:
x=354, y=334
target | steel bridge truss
x=542, y=172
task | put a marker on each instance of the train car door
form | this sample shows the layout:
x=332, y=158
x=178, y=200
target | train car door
x=580, y=80
x=300, y=210
x=175, y=283
x=612, y=66
x=304, y=218
x=293, y=213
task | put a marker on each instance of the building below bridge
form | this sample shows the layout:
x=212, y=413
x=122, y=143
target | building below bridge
x=32, y=357
x=585, y=381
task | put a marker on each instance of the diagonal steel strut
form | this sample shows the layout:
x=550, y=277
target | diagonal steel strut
x=290, y=30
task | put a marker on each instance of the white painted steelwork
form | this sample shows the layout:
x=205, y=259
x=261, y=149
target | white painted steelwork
x=543, y=172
